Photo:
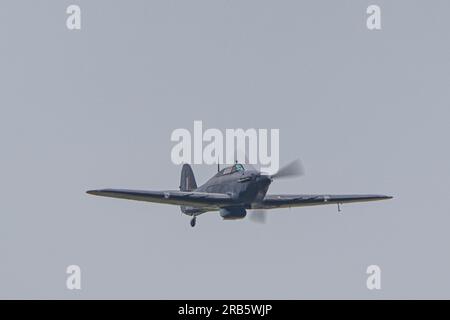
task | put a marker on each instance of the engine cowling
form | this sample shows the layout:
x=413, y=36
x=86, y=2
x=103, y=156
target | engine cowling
x=233, y=213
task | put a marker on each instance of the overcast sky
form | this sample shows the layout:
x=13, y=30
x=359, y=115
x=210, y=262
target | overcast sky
x=366, y=111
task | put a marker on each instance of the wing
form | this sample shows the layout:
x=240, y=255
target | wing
x=175, y=197
x=300, y=200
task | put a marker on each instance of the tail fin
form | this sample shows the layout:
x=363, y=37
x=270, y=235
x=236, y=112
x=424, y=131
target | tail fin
x=187, y=181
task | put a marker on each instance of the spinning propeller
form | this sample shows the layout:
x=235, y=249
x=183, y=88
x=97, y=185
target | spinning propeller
x=291, y=170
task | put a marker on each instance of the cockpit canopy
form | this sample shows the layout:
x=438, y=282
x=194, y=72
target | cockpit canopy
x=228, y=170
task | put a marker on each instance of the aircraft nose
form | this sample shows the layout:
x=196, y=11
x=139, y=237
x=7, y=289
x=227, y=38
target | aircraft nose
x=264, y=179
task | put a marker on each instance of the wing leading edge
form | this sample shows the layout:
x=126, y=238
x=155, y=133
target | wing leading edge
x=285, y=201
x=175, y=197
x=217, y=200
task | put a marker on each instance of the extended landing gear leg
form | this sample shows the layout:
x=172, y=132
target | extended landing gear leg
x=339, y=207
x=193, y=220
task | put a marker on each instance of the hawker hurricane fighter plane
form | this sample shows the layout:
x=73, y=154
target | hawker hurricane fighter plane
x=233, y=191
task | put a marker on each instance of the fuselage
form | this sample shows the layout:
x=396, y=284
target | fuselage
x=246, y=187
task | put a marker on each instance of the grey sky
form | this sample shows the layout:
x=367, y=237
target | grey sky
x=366, y=111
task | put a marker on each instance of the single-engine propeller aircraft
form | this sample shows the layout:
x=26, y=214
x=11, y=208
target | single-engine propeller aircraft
x=233, y=191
